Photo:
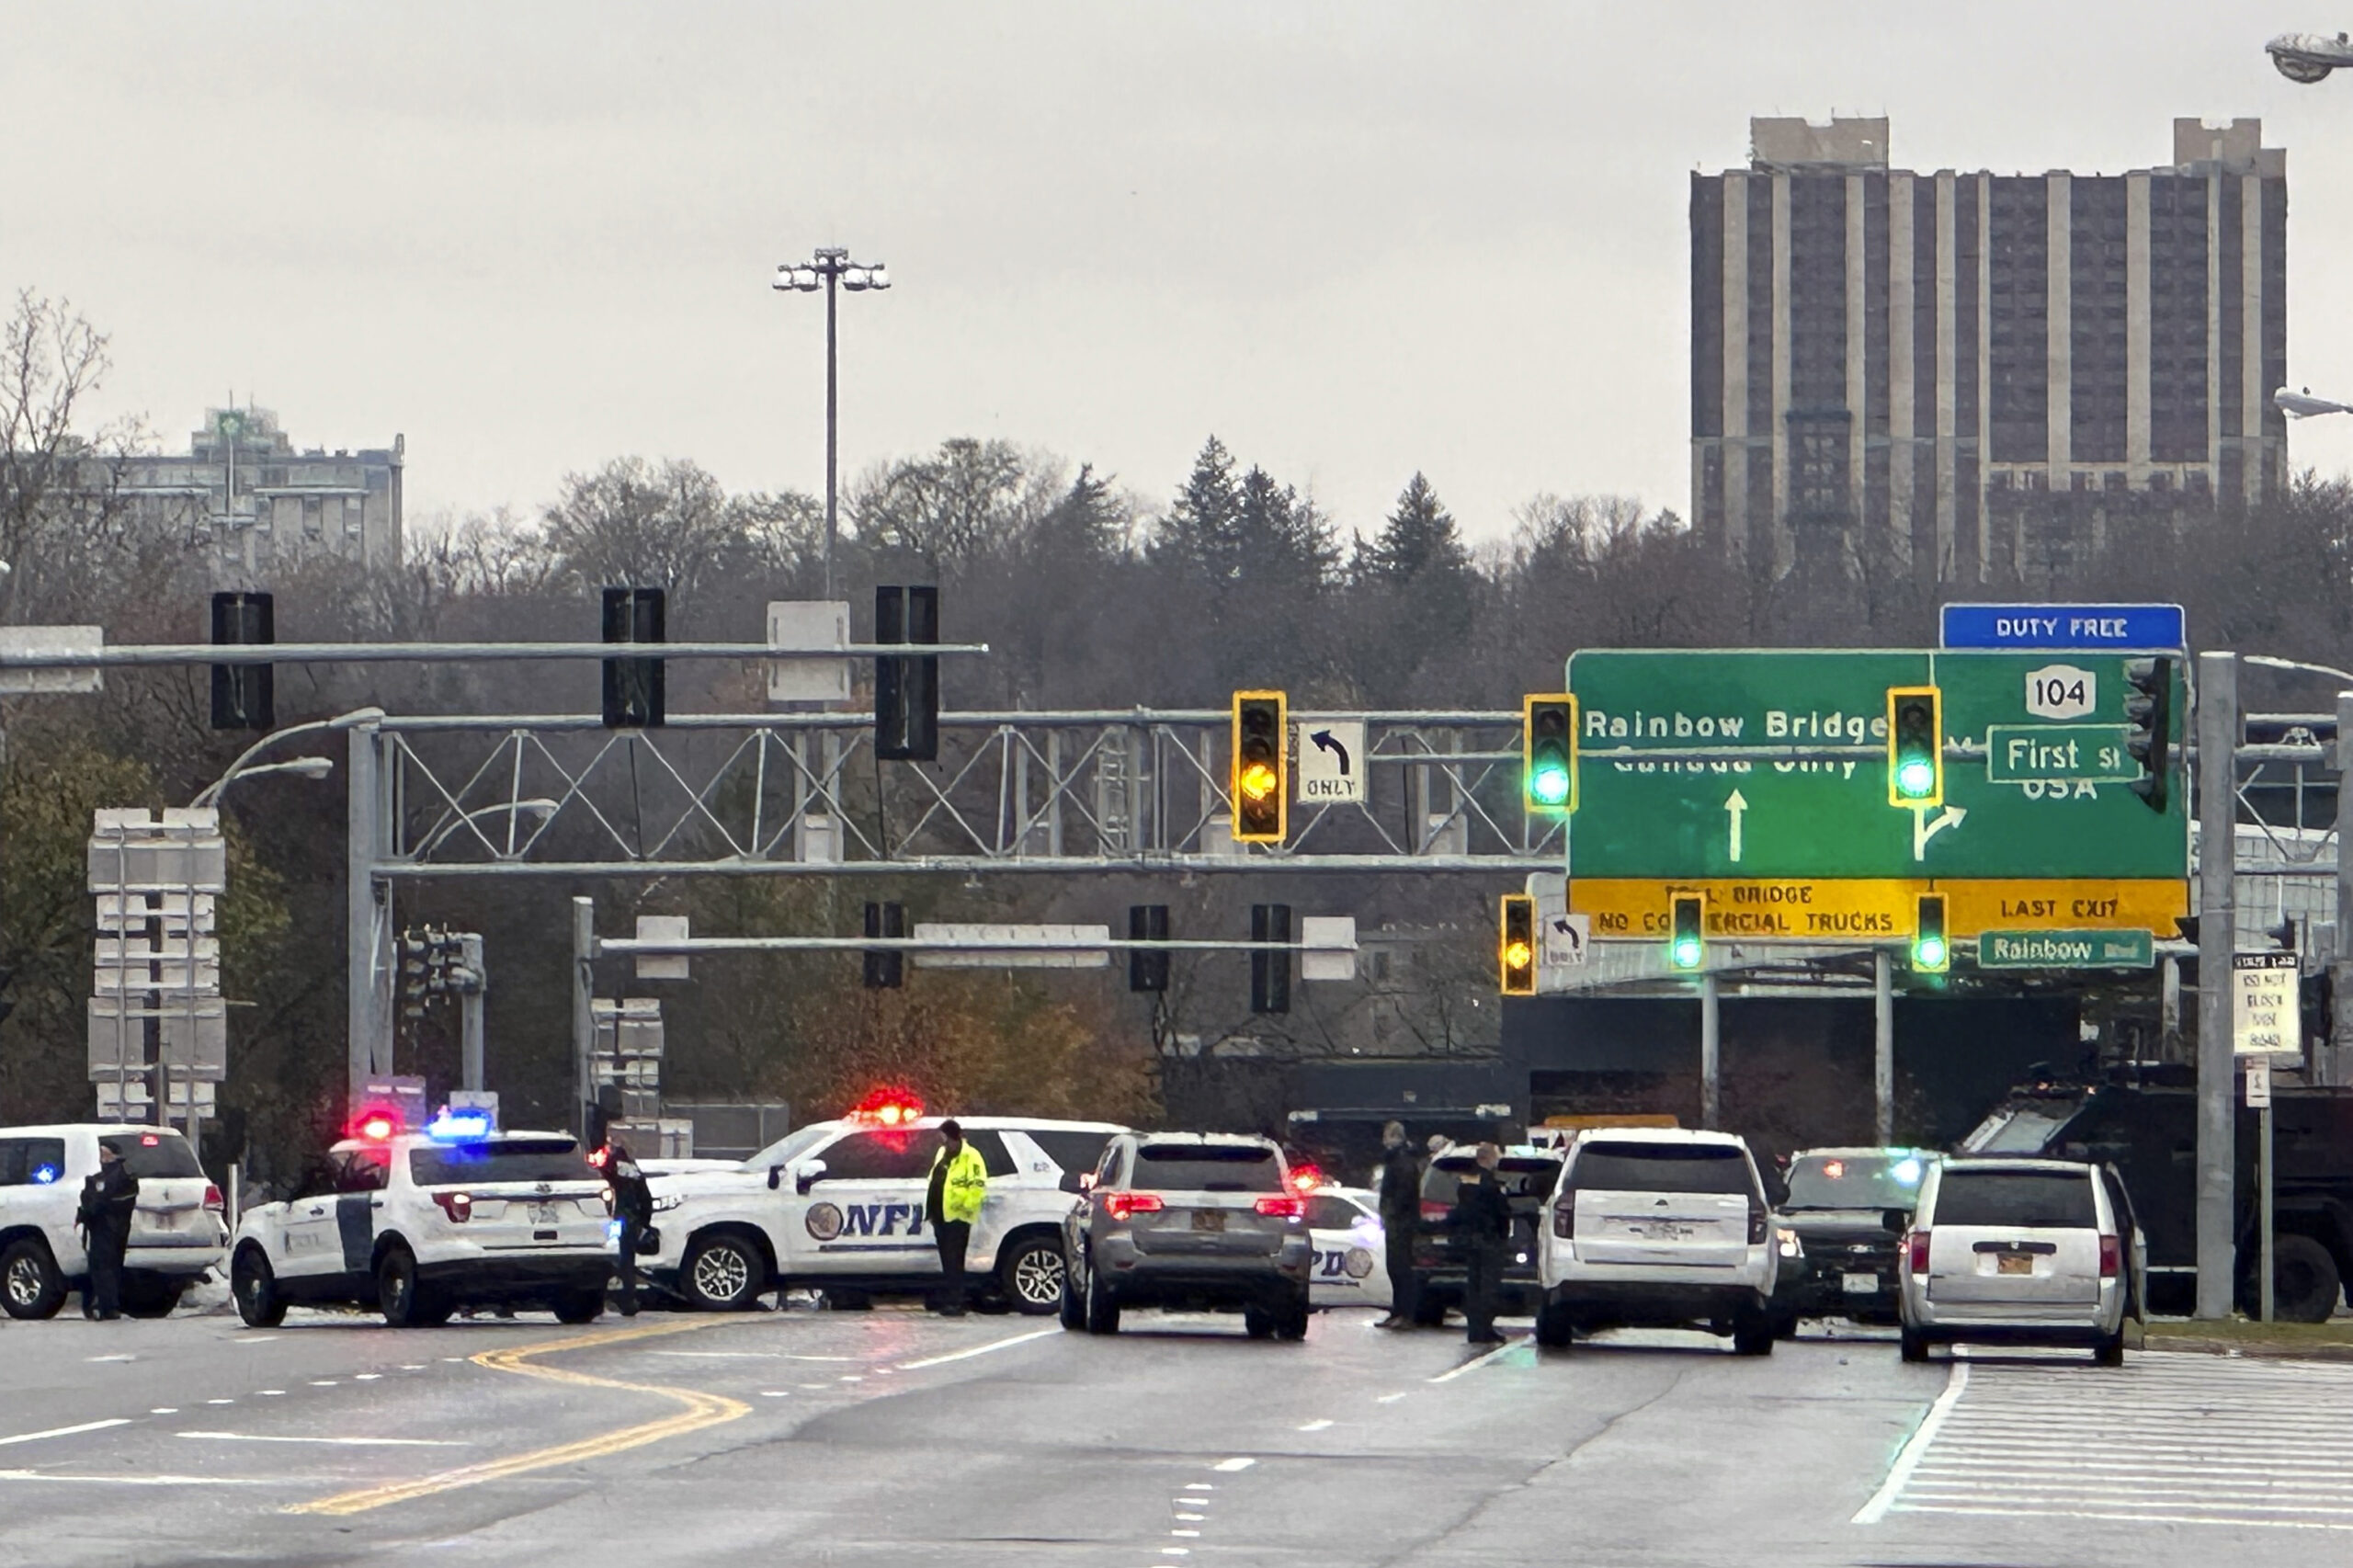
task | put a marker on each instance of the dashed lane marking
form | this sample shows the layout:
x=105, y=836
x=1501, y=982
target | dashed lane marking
x=1314, y=1425
x=137, y=1480
x=66, y=1431
x=334, y=1442
x=699, y=1410
x=1006, y=1344
x=1244, y=1462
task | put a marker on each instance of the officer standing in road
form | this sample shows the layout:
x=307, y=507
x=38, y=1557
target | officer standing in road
x=109, y=1196
x=1482, y=1226
x=960, y=1180
x=632, y=1202
x=1401, y=1213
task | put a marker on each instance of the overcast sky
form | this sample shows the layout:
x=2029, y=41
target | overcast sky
x=1352, y=240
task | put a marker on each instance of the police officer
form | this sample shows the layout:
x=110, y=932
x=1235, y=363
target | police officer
x=960, y=1180
x=1482, y=1226
x=109, y=1194
x=1401, y=1213
x=632, y=1203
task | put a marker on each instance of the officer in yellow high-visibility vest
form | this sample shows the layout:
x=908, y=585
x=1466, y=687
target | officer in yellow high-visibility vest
x=959, y=1181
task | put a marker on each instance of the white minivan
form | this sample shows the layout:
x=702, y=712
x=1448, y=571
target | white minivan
x=2018, y=1252
x=1659, y=1228
x=177, y=1231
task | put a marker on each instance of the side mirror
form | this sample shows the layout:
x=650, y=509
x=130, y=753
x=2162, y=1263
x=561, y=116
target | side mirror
x=1896, y=1220
x=1073, y=1181
x=806, y=1175
x=775, y=1177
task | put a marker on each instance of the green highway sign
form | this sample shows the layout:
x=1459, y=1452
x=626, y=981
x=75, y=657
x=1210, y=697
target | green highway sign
x=2066, y=949
x=1694, y=764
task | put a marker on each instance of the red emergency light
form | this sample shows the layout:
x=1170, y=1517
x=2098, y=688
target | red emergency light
x=888, y=1107
x=376, y=1125
x=1306, y=1178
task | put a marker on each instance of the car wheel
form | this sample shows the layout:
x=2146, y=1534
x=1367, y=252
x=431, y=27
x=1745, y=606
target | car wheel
x=254, y=1285
x=1074, y=1305
x=580, y=1306
x=151, y=1298
x=1257, y=1322
x=723, y=1273
x=401, y=1296
x=1031, y=1275
x=2110, y=1352
x=30, y=1286
x=2304, y=1284
x=1914, y=1347
x=1554, y=1330
x=1752, y=1335
x=1290, y=1323
x=1102, y=1308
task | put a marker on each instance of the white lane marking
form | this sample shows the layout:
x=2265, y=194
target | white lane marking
x=120, y=1356
x=1188, y=1535
x=852, y=1378
x=333, y=1442
x=411, y=1366
x=365, y=1377
x=219, y=1402
x=2120, y=1516
x=165, y=1410
x=1389, y=1399
x=1908, y=1457
x=1192, y=1519
x=1234, y=1464
x=322, y=1382
x=1007, y=1342
x=1199, y=1486
x=1316, y=1425
x=776, y=1394
x=271, y=1393
x=66, y=1431
x=817, y=1385
x=1477, y=1361
x=252, y=1338
x=143, y=1480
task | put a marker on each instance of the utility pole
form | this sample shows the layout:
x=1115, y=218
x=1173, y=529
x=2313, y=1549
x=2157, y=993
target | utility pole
x=584, y=1016
x=2333, y=1059
x=2218, y=738
x=1884, y=1045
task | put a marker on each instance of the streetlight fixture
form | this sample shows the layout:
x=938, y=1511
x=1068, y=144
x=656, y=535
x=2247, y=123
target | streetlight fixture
x=828, y=268
x=539, y=807
x=2310, y=57
x=2304, y=405
x=308, y=766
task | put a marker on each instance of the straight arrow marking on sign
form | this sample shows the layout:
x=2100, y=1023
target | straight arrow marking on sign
x=1735, y=807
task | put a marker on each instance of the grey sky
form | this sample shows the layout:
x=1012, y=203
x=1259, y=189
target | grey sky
x=1353, y=240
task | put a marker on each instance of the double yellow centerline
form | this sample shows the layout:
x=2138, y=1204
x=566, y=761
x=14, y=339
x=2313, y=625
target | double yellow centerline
x=697, y=1411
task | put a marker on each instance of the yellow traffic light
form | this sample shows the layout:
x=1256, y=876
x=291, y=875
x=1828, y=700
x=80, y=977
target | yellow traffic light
x=1261, y=801
x=1516, y=947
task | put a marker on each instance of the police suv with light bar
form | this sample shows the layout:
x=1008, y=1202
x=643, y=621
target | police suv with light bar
x=839, y=1207
x=420, y=1225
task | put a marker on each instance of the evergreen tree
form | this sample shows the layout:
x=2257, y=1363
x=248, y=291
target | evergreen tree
x=1418, y=538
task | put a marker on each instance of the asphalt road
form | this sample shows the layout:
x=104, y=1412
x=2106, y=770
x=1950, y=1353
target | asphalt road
x=891, y=1438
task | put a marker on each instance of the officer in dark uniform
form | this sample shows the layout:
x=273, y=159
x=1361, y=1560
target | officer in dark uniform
x=1400, y=1214
x=109, y=1196
x=1481, y=1225
x=632, y=1202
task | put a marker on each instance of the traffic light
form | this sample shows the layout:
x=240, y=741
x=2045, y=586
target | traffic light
x=1147, y=969
x=2149, y=741
x=243, y=696
x=1931, y=952
x=907, y=685
x=1549, y=753
x=885, y=968
x=1916, y=745
x=1260, y=793
x=634, y=687
x=1516, y=946
x=1270, y=967
x=1686, y=937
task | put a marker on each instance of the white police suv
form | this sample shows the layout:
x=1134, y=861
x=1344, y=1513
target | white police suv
x=839, y=1207
x=177, y=1230
x=418, y=1225
x=1351, y=1266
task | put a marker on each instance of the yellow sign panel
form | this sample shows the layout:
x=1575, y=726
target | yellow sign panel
x=1843, y=909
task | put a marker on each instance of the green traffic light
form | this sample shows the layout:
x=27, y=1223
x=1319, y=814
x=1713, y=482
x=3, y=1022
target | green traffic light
x=1686, y=952
x=1916, y=778
x=1549, y=784
x=1928, y=952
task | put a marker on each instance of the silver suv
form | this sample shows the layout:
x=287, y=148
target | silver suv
x=1188, y=1220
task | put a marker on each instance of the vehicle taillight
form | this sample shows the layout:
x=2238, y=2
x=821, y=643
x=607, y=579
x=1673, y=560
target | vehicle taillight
x=2111, y=1257
x=1281, y=1208
x=1564, y=1220
x=1432, y=1210
x=1917, y=1260
x=213, y=1198
x=1125, y=1205
x=459, y=1206
x=1757, y=1223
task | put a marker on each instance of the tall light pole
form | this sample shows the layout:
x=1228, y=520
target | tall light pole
x=831, y=266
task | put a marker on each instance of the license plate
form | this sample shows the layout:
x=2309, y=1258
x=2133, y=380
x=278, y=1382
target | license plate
x=542, y=1213
x=1208, y=1219
x=1860, y=1284
x=2012, y=1263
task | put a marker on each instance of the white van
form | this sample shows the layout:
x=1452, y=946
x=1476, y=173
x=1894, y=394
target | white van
x=177, y=1231
x=1659, y=1228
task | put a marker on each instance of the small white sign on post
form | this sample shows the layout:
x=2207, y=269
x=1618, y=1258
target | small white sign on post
x=1328, y=946
x=2258, y=1082
x=50, y=640
x=1331, y=762
x=2267, y=1017
x=807, y=624
x=663, y=966
x=1567, y=939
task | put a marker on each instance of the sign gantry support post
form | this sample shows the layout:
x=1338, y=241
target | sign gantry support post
x=1884, y=1045
x=584, y=1014
x=1710, y=1051
x=2218, y=737
x=2333, y=1058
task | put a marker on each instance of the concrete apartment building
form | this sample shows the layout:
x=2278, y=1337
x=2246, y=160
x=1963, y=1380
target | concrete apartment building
x=1972, y=375
x=244, y=495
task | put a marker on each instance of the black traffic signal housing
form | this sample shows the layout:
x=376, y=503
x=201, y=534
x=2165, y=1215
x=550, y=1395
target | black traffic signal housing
x=1548, y=744
x=1516, y=946
x=634, y=687
x=1147, y=967
x=2148, y=709
x=1916, y=745
x=907, y=685
x=1687, y=934
x=1270, y=967
x=245, y=697
x=1932, y=947
x=885, y=967
x=1260, y=788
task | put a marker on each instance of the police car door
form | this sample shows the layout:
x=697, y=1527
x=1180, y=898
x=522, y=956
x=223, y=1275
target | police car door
x=307, y=1243
x=1349, y=1270
x=864, y=1216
